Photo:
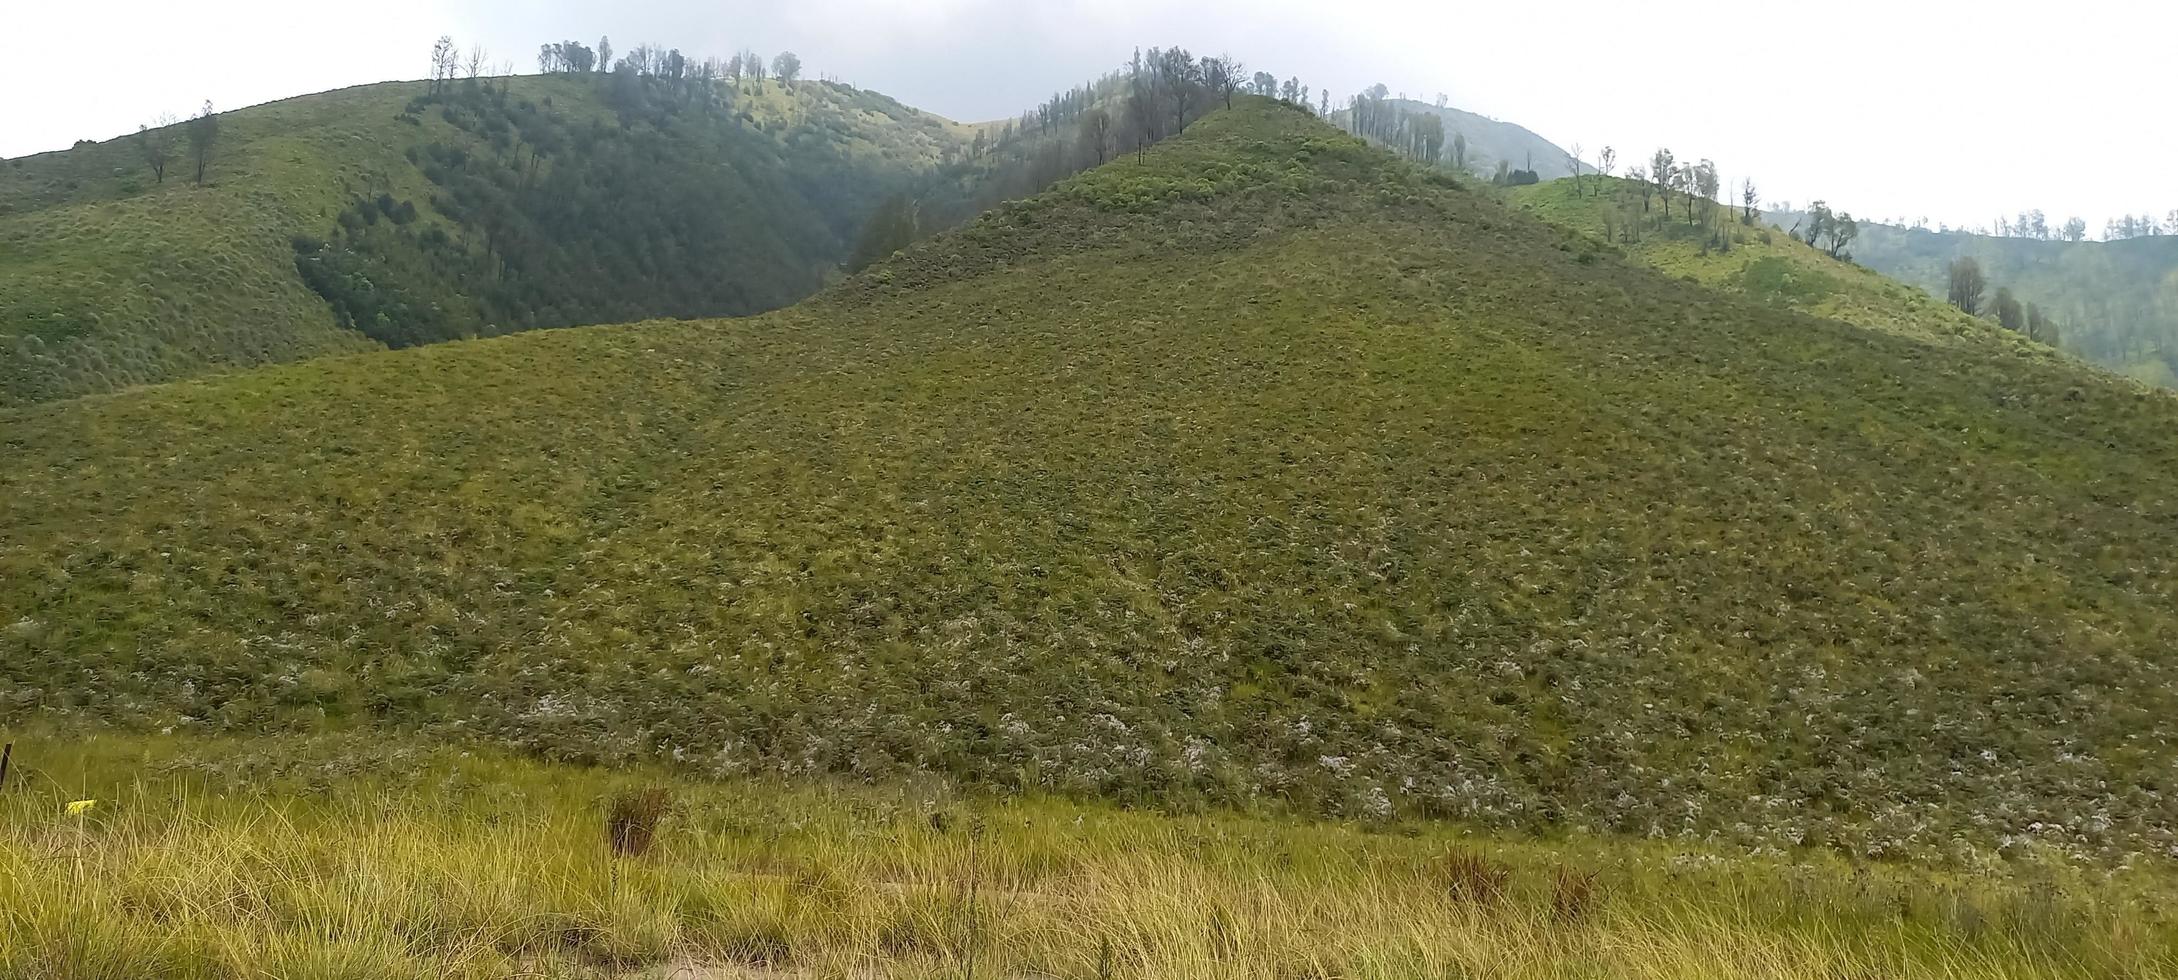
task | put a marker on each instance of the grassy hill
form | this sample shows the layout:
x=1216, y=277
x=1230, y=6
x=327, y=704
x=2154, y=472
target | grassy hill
x=1267, y=471
x=1756, y=261
x=2117, y=301
x=497, y=205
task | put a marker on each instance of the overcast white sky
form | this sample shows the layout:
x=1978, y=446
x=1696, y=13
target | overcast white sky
x=1956, y=110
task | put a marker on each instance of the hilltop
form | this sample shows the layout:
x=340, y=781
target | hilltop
x=404, y=213
x=1265, y=471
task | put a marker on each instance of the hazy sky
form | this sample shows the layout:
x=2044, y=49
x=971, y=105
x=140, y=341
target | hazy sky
x=1953, y=110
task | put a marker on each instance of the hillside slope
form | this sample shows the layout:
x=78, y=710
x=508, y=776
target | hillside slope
x=1264, y=471
x=2117, y=302
x=493, y=206
x=1757, y=261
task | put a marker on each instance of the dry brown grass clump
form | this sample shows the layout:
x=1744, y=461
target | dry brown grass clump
x=632, y=824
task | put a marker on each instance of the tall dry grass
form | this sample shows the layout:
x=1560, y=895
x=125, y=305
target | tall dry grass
x=461, y=866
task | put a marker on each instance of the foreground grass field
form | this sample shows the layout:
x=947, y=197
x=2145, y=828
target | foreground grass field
x=368, y=858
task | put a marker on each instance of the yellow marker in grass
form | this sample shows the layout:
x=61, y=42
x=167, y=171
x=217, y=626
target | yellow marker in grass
x=81, y=807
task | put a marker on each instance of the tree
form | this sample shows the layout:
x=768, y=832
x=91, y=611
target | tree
x=1842, y=233
x=1459, y=152
x=752, y=67
x=1266, y=85
x=896, y=225
x=1224, y=75
x=1819, y=220
x=1706, y=185
x=1664, y=171
x=604, y=53
x=2075, y=230
x=442, y=62
x=1748, y=198
x=1573, y=161
x=1966, y=285
x=203, y=138
x=1096, y=130
x=2009, y=315
x=1640, y=178
x=156, y=143
x=2040, y=328
x=475, y=64
x=1605, y=163
x=787, y=68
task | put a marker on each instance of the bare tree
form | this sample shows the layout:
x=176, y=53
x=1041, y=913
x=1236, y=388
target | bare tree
x=442, y=62
x=475, y=65
x=1573, y=160
x=203, y=138
x=1605, y=162
x=156, y=143
x=1225, y=75
x=1096, y=130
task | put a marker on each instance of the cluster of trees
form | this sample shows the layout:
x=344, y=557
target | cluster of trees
x=1267, y=85
x=2140, y=226
x=1829, y=231
x=449, y=63
x=673, y=208
x=1419, y=136
x=745, y=68
x=1967, y=288
x=156, y=142
x=2035, y=225
x=1707, y=204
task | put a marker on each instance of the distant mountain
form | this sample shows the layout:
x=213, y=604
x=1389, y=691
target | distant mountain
x=2116, y=303
x=1489, y=141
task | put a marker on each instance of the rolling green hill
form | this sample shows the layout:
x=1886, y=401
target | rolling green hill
x=1757, y=261
x=390, y=215
x=2116, y=302
x=1266, y=471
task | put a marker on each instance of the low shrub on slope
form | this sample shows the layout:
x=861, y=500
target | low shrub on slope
x=1264, y=471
